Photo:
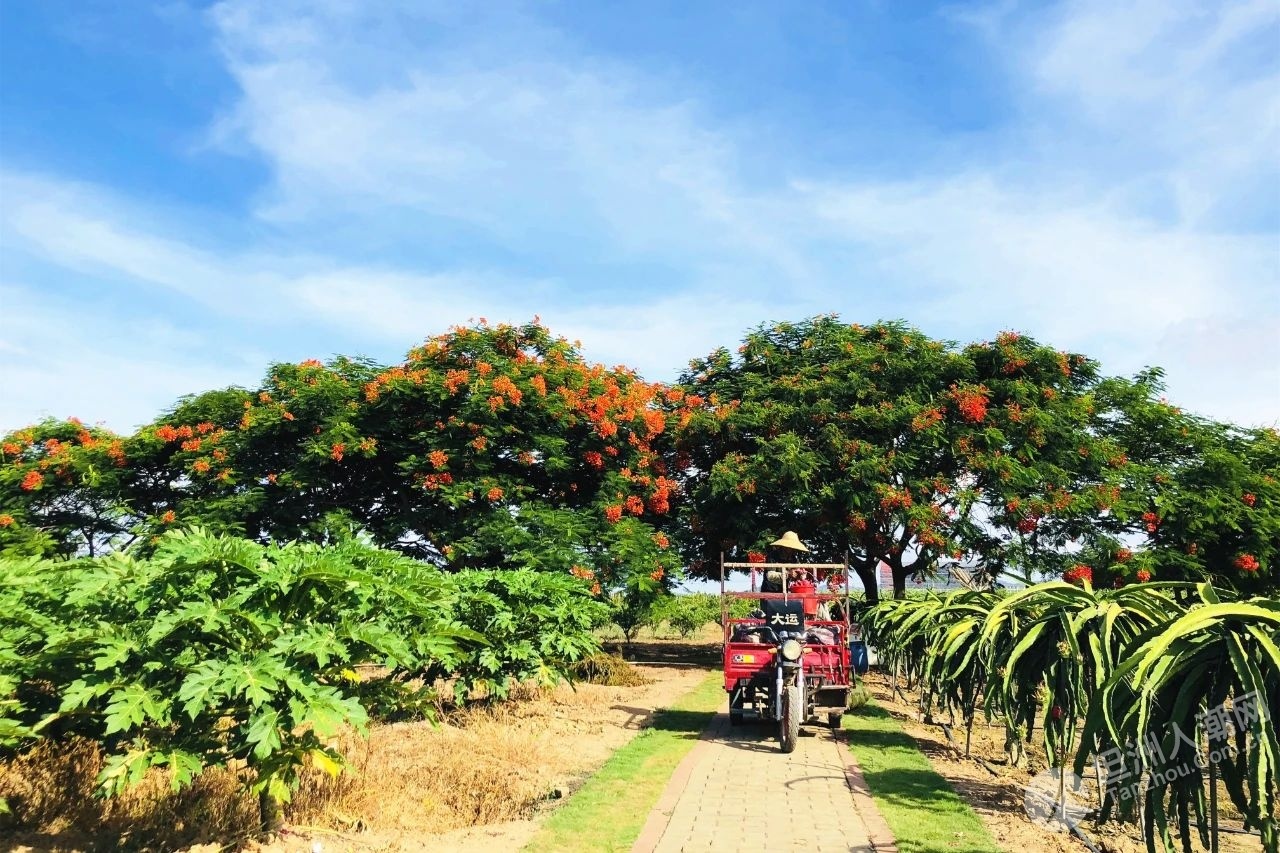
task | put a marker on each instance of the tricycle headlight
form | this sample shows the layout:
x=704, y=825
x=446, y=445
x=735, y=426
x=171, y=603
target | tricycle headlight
x=792, y=649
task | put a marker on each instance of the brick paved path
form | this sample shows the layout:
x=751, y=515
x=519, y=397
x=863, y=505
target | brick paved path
x=733, y=788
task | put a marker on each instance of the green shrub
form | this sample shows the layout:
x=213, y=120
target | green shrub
x=538, y=624
x=214, y=650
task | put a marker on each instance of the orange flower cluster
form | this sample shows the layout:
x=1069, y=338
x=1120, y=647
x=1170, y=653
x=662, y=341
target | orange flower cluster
x=972, y=403
x=455, y=379
x=582, y=572
x=435, y=481
x=1151, y=520
x=6, y=520
x=191, y=445
x=337, y=451
x=755, y=557
x=494, y=494
x=1249, y=499
x=635, y=505
x=479, y=443
x=166, y=432
x=1143, y=575
x=594, y=459
x=1078, y=574
x=656, y=574
x=1246, y=563
x=661, y=540
x=32, y=481
x=505, y=387
x=1013, y=365
x=115, y=451
x=930, y=538
x=538, y=384
x=11, y=448
x=201, y=466
x=894, y=499
x=1124, y=555
x=438, y=459
x=613, y=513
x=660, y=500
x=169, y=517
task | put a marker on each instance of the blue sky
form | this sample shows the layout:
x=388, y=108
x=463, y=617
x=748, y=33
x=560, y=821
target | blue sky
x=190, y=191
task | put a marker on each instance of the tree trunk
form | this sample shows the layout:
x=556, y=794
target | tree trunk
x=269, y=813
x=867, y=574
x=899, y=573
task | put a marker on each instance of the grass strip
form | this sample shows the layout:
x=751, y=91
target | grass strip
x=923, y=811
x=610, y=809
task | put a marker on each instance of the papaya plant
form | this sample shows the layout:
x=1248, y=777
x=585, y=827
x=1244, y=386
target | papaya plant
x=216, y=651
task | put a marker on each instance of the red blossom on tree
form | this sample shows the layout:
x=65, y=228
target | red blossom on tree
x=1246, y=563
x=1078, y=574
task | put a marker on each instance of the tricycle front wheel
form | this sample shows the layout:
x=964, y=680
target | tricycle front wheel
x=789, y=725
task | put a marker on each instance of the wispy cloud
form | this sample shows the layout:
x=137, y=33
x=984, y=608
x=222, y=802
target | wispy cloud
x=426, y=168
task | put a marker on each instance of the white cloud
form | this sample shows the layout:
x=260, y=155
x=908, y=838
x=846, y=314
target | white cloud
x=61, y=358
x=494, y=170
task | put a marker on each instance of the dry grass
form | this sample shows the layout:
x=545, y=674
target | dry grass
x=609, y=670
x=50, y=789
x=486, y=764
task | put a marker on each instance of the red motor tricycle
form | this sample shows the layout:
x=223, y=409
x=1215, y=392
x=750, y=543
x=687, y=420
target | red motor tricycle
x=789, y=661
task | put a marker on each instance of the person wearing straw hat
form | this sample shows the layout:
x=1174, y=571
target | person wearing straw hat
x=790, y=540
x=772, y=581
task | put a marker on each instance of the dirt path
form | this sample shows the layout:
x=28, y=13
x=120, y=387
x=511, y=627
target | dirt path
x=729, y=791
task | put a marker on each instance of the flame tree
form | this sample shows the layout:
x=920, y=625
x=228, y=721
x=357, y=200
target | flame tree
x=883, y=444
x=488, y=447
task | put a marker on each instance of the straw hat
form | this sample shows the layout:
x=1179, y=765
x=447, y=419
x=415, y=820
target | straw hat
x=792, y=541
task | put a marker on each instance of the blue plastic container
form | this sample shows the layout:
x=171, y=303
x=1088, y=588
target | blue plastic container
x=858, y=656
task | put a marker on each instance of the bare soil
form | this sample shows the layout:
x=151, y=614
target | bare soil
x=995, y=790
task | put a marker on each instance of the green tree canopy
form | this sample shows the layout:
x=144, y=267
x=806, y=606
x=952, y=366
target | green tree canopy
x=495, y=447
x=879, y=443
